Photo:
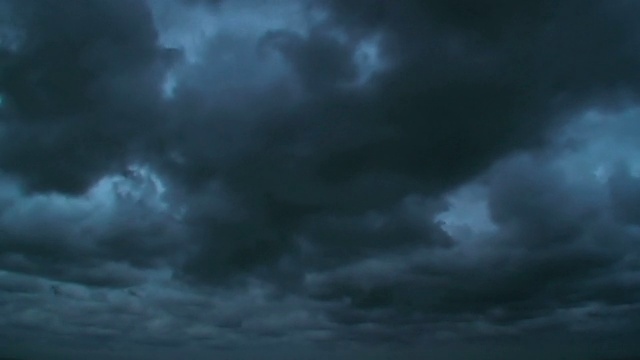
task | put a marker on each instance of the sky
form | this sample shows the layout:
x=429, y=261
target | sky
x=314, y=179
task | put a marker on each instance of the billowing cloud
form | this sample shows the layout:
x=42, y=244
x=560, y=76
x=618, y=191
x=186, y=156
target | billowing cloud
x=244, y=177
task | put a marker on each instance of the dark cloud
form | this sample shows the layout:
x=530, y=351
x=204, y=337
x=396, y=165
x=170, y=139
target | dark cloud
x=534, y=268
x=332, y=62
x=105, y=237
x=205, y=175
x=625, y=193
x=460, y=89
x=81, y=86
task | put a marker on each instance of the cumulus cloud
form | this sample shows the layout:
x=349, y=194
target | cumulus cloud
x=211, y=176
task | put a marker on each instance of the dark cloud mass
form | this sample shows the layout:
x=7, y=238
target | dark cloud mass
x=312, y=179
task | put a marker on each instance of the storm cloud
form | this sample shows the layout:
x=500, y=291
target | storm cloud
x=287, y=179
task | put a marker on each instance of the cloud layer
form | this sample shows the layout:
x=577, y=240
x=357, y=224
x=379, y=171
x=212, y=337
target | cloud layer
x=246, y=177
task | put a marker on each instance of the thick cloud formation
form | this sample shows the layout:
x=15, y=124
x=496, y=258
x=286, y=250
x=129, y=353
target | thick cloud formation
x=240, y=178
x=81, y=88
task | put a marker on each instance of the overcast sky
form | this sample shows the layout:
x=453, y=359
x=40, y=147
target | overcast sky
x=321, y=179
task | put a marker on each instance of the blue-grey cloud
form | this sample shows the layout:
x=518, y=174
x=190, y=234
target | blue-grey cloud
x=210, y=176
